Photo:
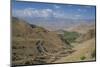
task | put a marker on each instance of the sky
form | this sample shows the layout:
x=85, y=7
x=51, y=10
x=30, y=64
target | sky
x=47, y=10
x=53, y=15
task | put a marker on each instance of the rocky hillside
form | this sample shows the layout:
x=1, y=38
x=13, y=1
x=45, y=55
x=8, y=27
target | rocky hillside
x=32, y=44
x=86, y=36
x=82, y=28
x=84, y=46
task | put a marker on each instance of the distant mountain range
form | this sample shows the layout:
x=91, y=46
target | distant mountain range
x=54, y=24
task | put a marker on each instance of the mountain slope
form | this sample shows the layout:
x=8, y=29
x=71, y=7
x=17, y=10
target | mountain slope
x=84, y=48
x=32, y=44
x=87, y=35
x=83, y=52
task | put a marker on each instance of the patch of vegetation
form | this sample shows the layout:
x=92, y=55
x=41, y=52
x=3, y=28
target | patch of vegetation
x=71, y=36
x=33, y=26
x=83, y=57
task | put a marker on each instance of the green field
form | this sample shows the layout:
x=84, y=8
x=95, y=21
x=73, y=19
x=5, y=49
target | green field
x=71, y=36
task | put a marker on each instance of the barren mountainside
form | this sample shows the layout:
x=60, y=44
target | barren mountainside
x=32, y=44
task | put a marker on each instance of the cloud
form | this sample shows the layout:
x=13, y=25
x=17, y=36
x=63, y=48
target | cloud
x=77, y=16
x=59, y=14
x=43, y=13
x=81, y=10
x=88, y=7
x=56, y=6
x=32, y=12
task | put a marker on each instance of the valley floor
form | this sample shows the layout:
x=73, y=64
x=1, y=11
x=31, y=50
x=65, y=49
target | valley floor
x=82, y=50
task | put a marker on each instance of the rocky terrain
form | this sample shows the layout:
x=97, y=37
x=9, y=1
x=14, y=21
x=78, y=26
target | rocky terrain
x=84, y=46
x=35, y=45
x=32, y=44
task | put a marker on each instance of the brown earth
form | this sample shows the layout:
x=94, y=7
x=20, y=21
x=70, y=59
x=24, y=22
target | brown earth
x=35, y=45
x=32, y=44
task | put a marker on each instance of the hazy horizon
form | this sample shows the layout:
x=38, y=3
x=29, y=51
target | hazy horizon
x=54, y=15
